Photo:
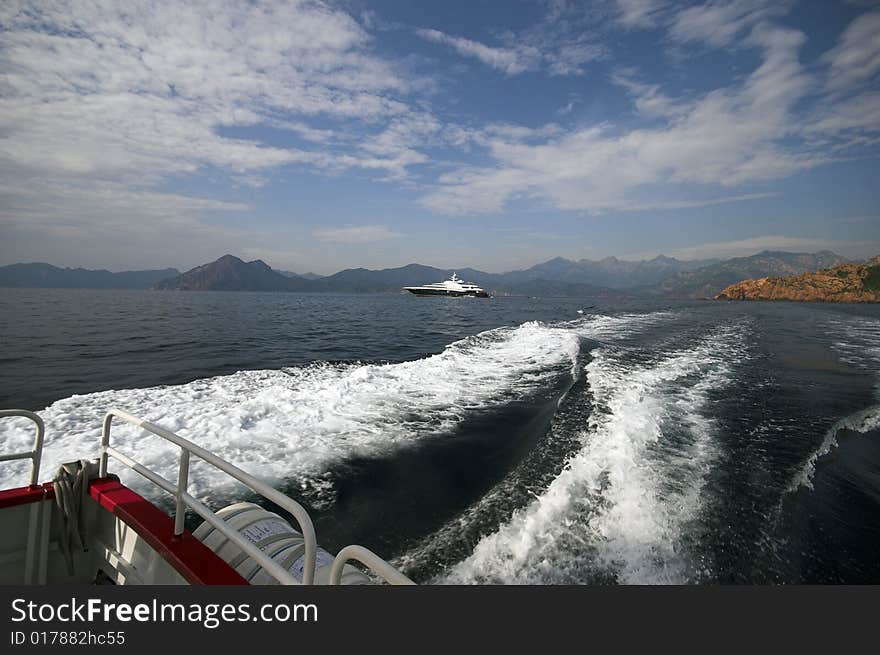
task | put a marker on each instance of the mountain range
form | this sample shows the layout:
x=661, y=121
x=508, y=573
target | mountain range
x=230, y=272
x=707, y=281
x=48, y=276
x=660, y=276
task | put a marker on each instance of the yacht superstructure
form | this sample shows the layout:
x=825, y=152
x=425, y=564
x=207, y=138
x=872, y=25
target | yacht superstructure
x=454, y=286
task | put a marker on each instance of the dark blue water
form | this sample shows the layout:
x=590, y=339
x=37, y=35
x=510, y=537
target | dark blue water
x=511, y=440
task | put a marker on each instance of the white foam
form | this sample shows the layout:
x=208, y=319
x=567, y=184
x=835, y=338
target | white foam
x=292, y=423
x=613, y=505
x=862, y=421
x=618, y=326
x=860, y=343
x=859, y=347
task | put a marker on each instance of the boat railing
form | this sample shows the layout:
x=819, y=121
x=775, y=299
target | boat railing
x=369, y=559
x=183, y=500
x=37, y=513
x=34, y=455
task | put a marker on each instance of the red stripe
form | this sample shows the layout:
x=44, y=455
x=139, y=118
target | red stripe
x=197, y=563
x=25, y=495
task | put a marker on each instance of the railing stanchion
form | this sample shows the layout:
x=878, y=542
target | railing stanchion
x=182, y=482
x=369, y=559
x=35, y=455
x=105, y=441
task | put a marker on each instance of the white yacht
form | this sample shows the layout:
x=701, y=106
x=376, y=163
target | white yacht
x=454, y=286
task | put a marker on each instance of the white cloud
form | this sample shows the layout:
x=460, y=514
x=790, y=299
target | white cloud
x=43, y=199
x=848, y=114
x=855, y=60
x=718, y=23
x=69, y=224
x=142, y=91
x=857, y=113
x=636, y=205
x=506, y=60
x=561, y=43
x=639, y=13
x=315, y=135
x=356, y=234
x=649, y=100
x=393, y=148
x=102, y=104
x=152, y=82
x=289, y=260
x=725, y=138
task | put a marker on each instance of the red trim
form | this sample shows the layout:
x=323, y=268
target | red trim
x=25, y=495
x=197, y=563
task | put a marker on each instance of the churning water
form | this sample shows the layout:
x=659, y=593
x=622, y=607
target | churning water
x=510, y=440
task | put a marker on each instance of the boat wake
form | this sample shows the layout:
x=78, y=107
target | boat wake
x=859, y=347
x=618, y=510
x=863, y=422
x=292, y=423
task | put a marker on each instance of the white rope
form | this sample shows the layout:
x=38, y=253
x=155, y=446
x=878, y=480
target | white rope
x=71, y=489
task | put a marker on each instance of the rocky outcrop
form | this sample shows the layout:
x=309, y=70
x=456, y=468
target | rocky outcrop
x=845, y=283
x=707, y=281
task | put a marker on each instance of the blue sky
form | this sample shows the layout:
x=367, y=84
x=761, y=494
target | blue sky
x=319, y=136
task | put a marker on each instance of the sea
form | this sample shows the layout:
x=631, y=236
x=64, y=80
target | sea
x=511, y=440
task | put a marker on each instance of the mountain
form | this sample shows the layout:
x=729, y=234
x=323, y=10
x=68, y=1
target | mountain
x=39, y=275
x=610, y=271
x=707, y=281
x=304, y=276
x=844, y=283
x=362, y=280
x=230, y=273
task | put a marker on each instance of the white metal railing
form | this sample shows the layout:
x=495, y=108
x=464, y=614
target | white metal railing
x=34, y=455
x=183, y=500
x=37, y=514
x=369, y=559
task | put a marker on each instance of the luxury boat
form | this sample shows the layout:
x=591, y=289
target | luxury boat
x=451, y=287
x=86, y=527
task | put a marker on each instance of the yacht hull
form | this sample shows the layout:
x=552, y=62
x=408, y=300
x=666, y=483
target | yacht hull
x=446, y=292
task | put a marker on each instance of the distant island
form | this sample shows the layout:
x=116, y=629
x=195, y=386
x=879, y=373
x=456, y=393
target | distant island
x=844, y=283
x=665, y=277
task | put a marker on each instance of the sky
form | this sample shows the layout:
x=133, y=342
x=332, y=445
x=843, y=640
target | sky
x=326, y=135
